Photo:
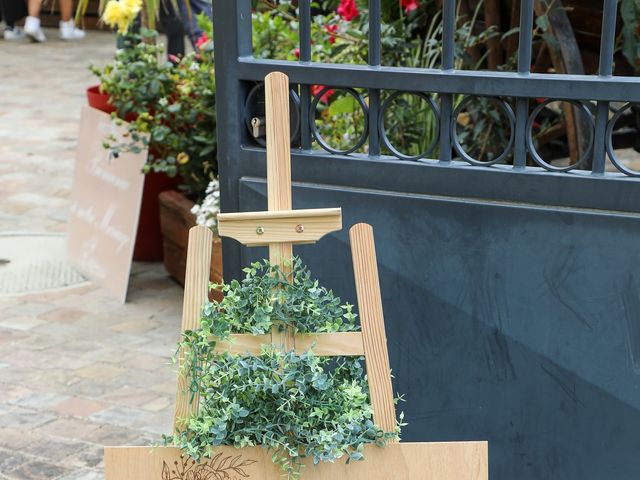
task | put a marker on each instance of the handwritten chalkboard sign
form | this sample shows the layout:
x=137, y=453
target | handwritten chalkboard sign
x=105, y=205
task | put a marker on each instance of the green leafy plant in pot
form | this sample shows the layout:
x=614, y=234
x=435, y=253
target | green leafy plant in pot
x=172, y=102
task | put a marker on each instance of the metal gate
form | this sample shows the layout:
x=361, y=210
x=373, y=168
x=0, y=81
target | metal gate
x=511, y=292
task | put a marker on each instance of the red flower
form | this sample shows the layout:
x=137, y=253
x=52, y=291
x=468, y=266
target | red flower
x=315, y=89
x=331, y=30
x=202, y=41
x=409, y=5
x=296, y=53
x=348, y=9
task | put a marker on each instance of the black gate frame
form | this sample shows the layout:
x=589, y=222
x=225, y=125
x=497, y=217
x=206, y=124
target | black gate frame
x=542, y=185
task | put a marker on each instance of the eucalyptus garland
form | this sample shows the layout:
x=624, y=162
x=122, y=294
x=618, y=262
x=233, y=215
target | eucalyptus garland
x=295, y=405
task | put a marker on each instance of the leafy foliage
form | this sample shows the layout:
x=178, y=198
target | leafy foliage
x=411, y=36
x=483, y=128
x=295, y=405
x=266, y=298
x=172, y=102
x=630, y=13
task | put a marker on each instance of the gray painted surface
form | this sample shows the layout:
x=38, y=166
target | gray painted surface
x=506, y=322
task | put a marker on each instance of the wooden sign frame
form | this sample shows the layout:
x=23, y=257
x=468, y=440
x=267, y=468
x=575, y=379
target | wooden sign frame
x=280, y=228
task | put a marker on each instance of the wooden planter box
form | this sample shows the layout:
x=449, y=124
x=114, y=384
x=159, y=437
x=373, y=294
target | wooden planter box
x=175, y=221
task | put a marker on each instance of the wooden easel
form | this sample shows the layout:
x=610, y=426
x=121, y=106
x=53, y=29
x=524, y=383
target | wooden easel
x=280, y=228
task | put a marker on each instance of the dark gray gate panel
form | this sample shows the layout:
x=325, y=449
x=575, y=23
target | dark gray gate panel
x=509, y=322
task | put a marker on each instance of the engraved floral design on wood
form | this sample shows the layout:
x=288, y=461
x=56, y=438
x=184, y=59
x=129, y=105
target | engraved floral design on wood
x=217, y=468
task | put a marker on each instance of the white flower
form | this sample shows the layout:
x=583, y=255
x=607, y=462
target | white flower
x=206, y=213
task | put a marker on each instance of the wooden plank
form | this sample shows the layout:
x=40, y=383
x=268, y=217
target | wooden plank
x=326, y=344
x=295, y=226
x=276, y=87
x=195, y=294
x=493, y=19
x=278, y=156
x=512, y=40
x=278, y=141
x=331, y=344
x=406, y=461
x=365, y=269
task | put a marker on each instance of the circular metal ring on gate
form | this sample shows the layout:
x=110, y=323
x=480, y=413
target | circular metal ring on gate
x=508, y=111
x=609, y=143
x=314, y=129
x=532, y=148
x=433, y=106
x=255, y=98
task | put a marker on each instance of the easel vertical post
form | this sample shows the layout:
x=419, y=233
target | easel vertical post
x=279, y=175
x=374, y=337
x=196, y=289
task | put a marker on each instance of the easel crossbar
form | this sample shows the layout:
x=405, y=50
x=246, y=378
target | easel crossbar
x=323, y=344
x=291, y=226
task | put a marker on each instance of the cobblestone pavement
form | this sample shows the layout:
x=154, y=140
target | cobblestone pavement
x=78, y=370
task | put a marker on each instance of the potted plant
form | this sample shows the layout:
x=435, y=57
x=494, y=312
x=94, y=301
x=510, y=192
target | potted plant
x=174, y=104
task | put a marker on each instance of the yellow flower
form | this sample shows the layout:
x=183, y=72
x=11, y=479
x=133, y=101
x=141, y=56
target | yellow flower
x=112, y=13
x=121, y=13
x=182, y=158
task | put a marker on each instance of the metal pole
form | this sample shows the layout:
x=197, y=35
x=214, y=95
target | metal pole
x=446, y=99
x=524, y=69
x=374, y=61
x=605, y=70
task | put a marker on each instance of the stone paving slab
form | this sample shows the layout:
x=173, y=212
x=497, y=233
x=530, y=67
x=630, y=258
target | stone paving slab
x=78, y=370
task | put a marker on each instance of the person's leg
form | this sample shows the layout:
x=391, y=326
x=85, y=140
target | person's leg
x=66, y=6
x=12, y=11
x=34, y=8
x=32, y=24
x=68, y=30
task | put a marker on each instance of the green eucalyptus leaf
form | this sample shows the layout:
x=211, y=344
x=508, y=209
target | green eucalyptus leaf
x=296, y=405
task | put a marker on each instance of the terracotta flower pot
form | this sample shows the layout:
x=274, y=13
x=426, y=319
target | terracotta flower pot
x=99, y=100
x=148, y=247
